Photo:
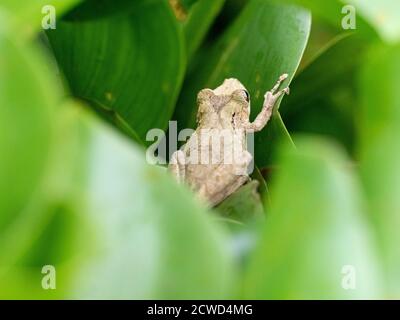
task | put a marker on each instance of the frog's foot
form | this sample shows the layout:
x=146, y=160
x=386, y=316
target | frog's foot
x=273, y=95
x=177, y=165
x=279, y=82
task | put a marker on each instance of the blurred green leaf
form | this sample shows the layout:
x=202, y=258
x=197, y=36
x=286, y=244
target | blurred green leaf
x=264, y=42
x=315, y=229
x=93, y=199
x=243, y=213
x=25, y=17
x=380, y=155
x=125, y=230
x=381, y=177
x=57, y=241
x=331, y=11
x=28, y=212
x=26, y=114
x=128, y=65
x=150, y=239
x=383, y=15
x=380, y=96
x=80, y=197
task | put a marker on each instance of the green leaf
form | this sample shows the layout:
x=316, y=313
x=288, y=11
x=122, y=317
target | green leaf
x=243, y=214
x=328, y=106
x=381, y=177
x=380, y=97
x=57, y=240
x=243, y=206
x=383, y=15
x=198, y=22
x=188, y=3
x=315, y=229
x=328, y=10
x=275, y=133
x=330, y=73
x=325, y=72
x=263, y=188
x=26, y=116
x=150, y=239
x=125, y=230
x=128, y=64
x=380, y=156
x=28, y=97
x=264, y=42
x=331, y=11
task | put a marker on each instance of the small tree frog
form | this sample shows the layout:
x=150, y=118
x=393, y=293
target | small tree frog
x=215, y=159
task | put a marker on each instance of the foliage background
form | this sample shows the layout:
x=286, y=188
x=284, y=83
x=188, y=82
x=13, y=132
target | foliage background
x=76, y=104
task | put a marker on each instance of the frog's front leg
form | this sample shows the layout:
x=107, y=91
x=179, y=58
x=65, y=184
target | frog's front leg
x=177, y=165
x=270, y=99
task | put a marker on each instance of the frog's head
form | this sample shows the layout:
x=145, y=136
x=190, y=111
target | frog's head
x=231, y=97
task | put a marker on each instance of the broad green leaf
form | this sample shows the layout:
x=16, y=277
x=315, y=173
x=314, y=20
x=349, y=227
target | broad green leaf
x=26, y=115
x=383, y=15
x=265, y=41
x=380, y=96
x=150, y=239
x=125, y=230
x=243, y=213
x=57, y=241
x=380, y=155
x=381, y=177
x=29, y=125
x=322, y=37
x=323, y=95
x=329, y=69
x=198, y=22
x=127, y=65
x=315, y=238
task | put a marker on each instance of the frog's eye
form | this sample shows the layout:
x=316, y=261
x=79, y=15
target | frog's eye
x=247, y=95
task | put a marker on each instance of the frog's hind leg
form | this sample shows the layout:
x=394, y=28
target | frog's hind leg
x=177, y=165
x=225, y=180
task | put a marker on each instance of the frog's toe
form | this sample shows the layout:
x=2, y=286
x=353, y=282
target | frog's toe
x=286, y=91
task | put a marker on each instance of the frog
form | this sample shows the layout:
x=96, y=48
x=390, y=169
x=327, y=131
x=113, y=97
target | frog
x=214, y=161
